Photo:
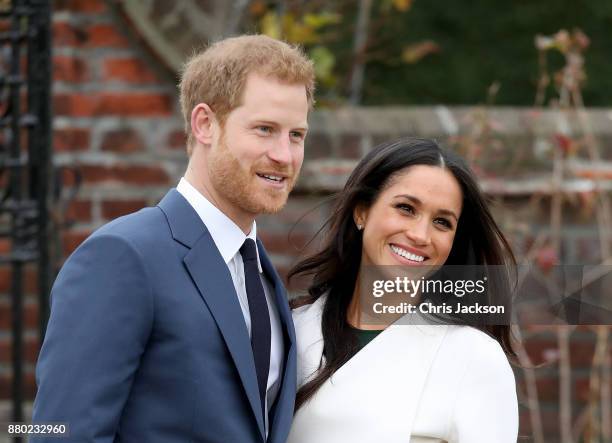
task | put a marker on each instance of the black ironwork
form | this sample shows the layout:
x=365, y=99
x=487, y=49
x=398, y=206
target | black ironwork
x=25, y=159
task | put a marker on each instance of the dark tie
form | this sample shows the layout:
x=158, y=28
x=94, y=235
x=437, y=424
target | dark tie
x=260, y=318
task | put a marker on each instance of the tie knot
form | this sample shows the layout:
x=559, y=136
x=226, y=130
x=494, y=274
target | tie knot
x=248, y=250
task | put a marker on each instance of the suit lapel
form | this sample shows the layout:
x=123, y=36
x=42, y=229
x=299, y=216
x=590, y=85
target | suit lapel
x=280, y=298
x=282, y=412
x=214, y=282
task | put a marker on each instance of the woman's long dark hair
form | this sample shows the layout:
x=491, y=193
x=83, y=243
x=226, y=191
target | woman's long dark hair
x=334, y=269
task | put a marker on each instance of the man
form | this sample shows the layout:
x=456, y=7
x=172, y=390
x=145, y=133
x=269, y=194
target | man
x=170, y=324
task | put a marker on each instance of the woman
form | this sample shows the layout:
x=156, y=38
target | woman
x=407, y=203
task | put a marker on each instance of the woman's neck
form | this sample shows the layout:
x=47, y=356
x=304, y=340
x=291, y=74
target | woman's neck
x=353, y=312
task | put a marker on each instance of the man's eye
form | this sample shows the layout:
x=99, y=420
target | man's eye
x=297, y=134
x=264, y=129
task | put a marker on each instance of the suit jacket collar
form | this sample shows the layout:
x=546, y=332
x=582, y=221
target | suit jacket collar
x=227, y=235
x=185, y=224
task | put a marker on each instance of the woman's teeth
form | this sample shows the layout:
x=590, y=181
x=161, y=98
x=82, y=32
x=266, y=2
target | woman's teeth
x=406, y=254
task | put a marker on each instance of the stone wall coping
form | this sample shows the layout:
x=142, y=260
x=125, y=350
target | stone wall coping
x=442, y=120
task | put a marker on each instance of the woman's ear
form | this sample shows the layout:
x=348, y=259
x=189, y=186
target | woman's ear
x=360, y=215
x=203, y=121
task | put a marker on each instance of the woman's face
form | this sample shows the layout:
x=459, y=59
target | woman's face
x=413, y=221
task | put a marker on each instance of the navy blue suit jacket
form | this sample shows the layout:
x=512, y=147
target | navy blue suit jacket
x=147, y=343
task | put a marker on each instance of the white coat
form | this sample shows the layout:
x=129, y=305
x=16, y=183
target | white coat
x=411, y=384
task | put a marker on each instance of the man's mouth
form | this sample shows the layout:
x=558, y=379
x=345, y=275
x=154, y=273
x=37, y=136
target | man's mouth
x=272, y=178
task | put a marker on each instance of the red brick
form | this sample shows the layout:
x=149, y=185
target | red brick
x=581, y=352
x=30, y=350
x=318, y=146
x=123, y=140
x=79, y=210
x=28, y=388
x=137, y=175
x=350, y=146
x=74, y=105
x=582, y=389
x=284, y=243
x=134, y=104
x=5, y=246
x=116, y=208
x=71, y=240
x=600, y=174
x=5, y=279
x=68, y=176
x=105, y=36
x=94, y=36
x=29, y=316
x=79, y=5
x=95, y=174
x=71, y=139
x=550, y=424
x=548, y=389
x=29, y=279
x=129, y=70
x=142, y=175
x=177, y=140
x=65, y=34
x=69, y=69
x=23, y=63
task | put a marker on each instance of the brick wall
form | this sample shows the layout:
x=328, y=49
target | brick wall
x=118, y=123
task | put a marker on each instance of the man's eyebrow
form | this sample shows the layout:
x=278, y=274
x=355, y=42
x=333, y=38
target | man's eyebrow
x=419, y=202
x=276, y=124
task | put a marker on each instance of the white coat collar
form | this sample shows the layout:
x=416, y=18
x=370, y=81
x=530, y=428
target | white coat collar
x=392, y=368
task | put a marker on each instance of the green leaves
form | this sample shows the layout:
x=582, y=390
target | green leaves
x=324, y=61
x=307, y=31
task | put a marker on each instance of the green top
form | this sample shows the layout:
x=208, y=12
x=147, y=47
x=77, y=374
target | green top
x=365, y=336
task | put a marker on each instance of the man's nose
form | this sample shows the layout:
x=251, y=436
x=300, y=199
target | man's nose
x=280, y=152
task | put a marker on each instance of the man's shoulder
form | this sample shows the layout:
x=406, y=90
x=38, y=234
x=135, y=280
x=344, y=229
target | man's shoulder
x=130, y=225
x=140, y=230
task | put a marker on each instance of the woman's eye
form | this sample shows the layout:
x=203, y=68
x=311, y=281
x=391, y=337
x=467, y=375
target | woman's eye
x=405, y=208
x=444, y=222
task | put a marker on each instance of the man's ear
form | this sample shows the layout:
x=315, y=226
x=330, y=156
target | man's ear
x=360, y=215
x=203, y=121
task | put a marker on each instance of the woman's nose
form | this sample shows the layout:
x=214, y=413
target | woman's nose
x=418, y=232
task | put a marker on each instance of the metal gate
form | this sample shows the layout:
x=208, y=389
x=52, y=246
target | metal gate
x=25, y=159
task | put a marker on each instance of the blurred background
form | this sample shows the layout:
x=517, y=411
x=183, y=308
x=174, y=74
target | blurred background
x=90, y=129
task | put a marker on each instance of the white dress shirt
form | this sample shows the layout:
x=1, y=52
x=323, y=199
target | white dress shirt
x=228, y=238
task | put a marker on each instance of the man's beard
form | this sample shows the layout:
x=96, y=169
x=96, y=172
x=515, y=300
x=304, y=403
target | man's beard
x=243, y=188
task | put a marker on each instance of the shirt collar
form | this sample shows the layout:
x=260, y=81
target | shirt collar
x=226, y=234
